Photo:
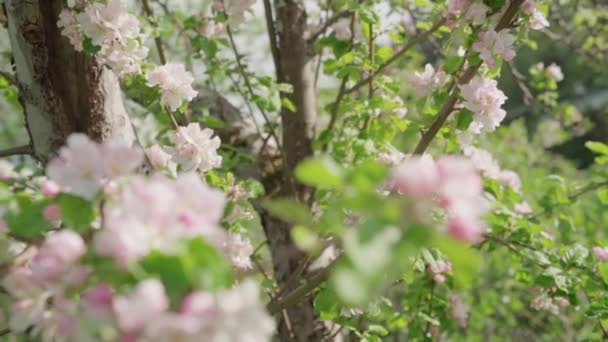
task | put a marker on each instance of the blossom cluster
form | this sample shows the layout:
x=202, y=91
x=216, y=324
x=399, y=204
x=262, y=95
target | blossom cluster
x=230, y=315
x=47, y=310
x=84, y=167
x=537, y=21
x=52, y=270
x=175, y=84
x=491, y=42
x=438, y=270
x=194, y=149
x=545, y=302
x=485, y=163
x=54, y=294
x=484, y=99
x=455, y=185
x=424, y=83
x=109, y=27
x=601, y=253
x=474, y=12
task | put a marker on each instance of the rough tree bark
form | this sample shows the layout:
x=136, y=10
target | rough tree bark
x=299, y=323
x=62, y=91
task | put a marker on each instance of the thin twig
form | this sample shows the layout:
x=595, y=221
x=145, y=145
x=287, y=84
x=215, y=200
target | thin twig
x=327, y=24
x=520, y=80
x=243, y=73
x=272, y=36
x=588, y=188
x=16, y=151
x=292, y=277
x=341, y=92
x=302, y=291
x=157, y=40
x=416, y=40
x=372, y=59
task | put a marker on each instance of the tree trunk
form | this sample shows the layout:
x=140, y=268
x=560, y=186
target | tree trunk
x=299, y=323
x=62, y=91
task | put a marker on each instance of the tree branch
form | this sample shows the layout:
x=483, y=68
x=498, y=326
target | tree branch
x=272, y=36
x=15, y=151
x=388, y=62
x=243, y=73
x=157, y=40
x=448, y=107
x=327, y=24
x=301, y=291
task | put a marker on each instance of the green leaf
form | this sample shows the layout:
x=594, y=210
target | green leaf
x=384, y=53
x=172, y=270
x=464, y=119
x=196, y=265
x=289, y=210
x=465, y=260
x=212, y=271
x=306, y=240
x=597, y=147
x=320, y=172
x=76, y=212
x=602, y=194
x=452, y=64
x=89, y=47
x=288, y=104
x=25, y=218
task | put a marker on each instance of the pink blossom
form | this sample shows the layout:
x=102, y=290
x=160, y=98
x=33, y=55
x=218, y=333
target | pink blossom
x=146, y=302
x=158, y=157
x=456, y=7
x=510, y=178
x=483, y=161
x=200, y=304
x=461, y=195
x=52, y=212
x=476, y=13
x=523, y=208
x=239, y=250
x=438, y=269
x=484, y=99
x=538, y=21
x=601, y=253
x=424, y=83
x=175, y=84
x=196, y=148
x=555, y=72
x=31, y=298
x=492, y=42
x=79, y=167
x=58, y=253
x=241, y=315
x=110, y=27
x=544, y=302
x=119, y=159
x=459, y=310
x=416, y=177
x=70, y=28
x=235, y=9
x=211, y=28
x=97, y=301
x=50, y=188
x=83, y=167
x=465, y=223
x=157, y=212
